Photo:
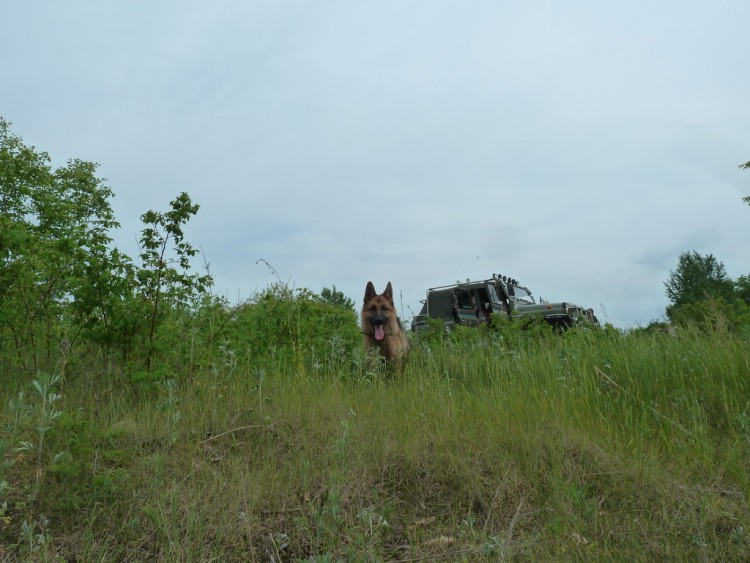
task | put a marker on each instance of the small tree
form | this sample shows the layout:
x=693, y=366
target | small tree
x=742, y=289
x=336, y=298
x=55, y=247
x=163, y=279
x=697, y=278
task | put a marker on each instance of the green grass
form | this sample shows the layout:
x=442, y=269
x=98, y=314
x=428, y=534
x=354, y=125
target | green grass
x=492, y=447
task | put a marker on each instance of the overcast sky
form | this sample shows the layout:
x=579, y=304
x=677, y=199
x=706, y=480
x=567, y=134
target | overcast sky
x=577, y=146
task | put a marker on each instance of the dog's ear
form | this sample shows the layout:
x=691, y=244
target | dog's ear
x=370, y=291
x=388, y=293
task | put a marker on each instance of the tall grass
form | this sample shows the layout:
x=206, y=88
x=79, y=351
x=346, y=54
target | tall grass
x=489, y=446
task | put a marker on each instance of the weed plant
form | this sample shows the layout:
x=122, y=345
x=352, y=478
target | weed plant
x=491, y=445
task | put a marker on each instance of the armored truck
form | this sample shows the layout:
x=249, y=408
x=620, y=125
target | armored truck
x=474, y=302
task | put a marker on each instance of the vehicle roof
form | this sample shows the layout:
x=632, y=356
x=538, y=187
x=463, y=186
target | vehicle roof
x=462, y=285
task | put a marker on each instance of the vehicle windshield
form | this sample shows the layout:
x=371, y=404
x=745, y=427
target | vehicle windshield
x=494, y=297
x=521, y=294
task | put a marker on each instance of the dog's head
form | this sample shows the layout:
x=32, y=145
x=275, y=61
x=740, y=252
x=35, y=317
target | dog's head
x=378, y=310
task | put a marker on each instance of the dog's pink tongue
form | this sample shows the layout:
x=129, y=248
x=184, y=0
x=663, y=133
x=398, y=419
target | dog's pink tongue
x=379, y=333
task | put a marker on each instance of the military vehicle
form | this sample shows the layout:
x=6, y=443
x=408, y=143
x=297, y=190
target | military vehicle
x=474, y=302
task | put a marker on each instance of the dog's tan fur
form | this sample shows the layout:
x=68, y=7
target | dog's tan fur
x=381, y=327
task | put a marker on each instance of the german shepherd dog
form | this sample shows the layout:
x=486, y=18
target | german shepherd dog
x=381, y=328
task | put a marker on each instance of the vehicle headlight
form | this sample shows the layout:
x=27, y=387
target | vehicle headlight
x=573, y=312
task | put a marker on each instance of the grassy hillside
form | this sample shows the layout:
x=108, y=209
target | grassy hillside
x=601, y=446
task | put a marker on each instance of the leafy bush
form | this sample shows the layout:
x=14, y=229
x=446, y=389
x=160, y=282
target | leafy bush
x=285, y=327
x=714, y=315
